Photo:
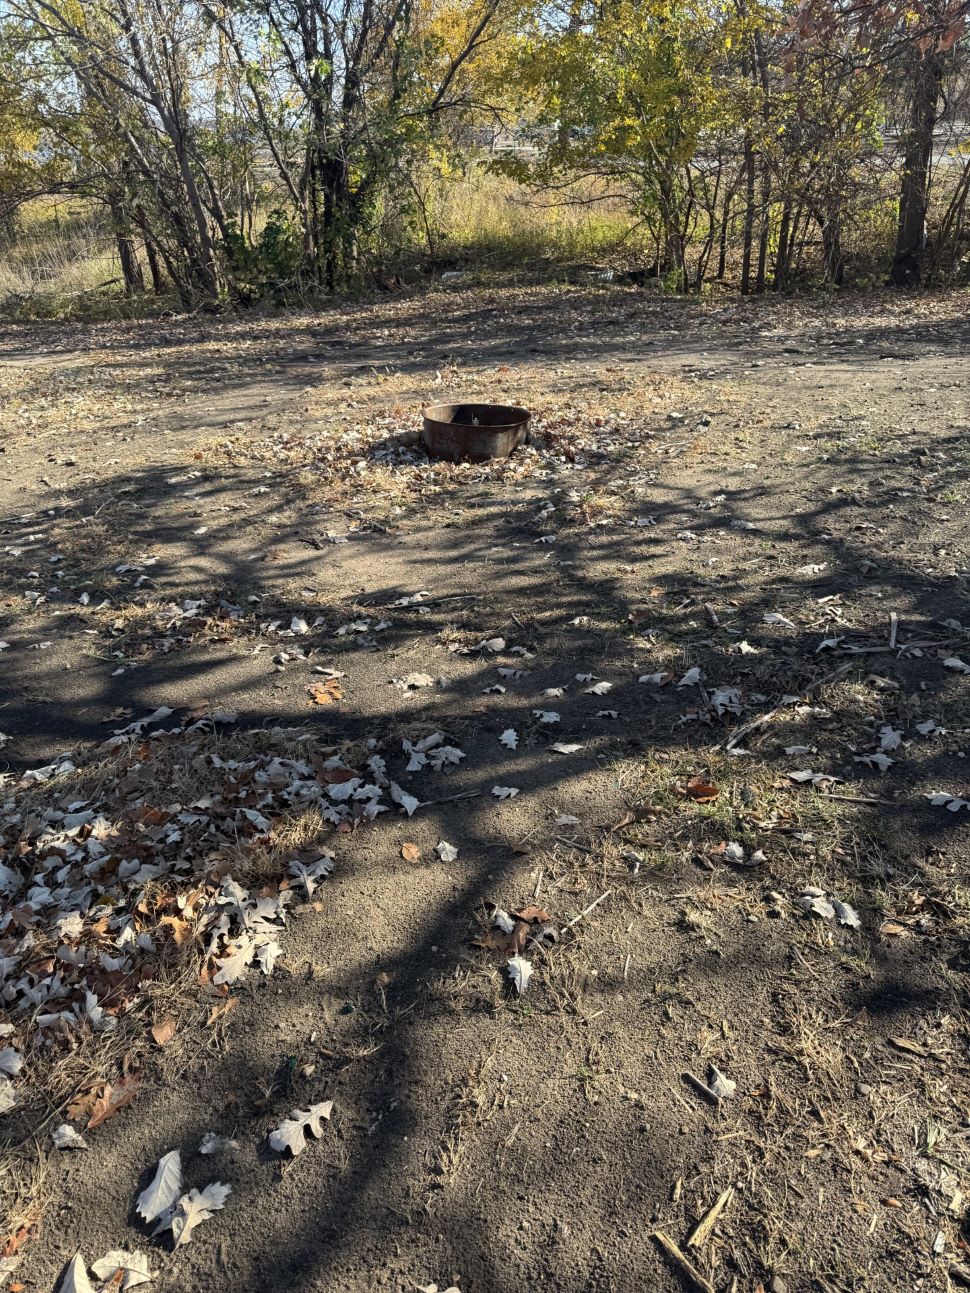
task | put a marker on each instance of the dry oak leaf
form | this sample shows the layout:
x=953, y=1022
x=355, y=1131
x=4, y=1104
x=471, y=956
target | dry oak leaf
x=290, y=1134
x=181, y=929
x=532, y=913
x=164, y=1032
x=19, y=1237
x=495, y=940
x=701, y=791
x=113, y=1099
x=329, y=692
x=221, y=1010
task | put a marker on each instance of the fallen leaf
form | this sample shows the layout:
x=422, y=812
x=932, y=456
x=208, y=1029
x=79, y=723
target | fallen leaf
x=159, y=1196
x=8, y=1095
x=113, y=1099
x=846, y=914
x=221, y=1010
x=123, y=1270
x=290, y=1134
x=722, y=1086
x=642, y=813
x=11, y=1061
x=181, y=929
x=213, y=1143
x=415, y=680
x=816, y=778
x=816, y=904
x=75, y=1277
x=495, y=940
x=532, y=914
x=328, y=692
x=701, y=791
x=943, y=799
x=408, y=802
x=410, y=852
x=520, y=972
x=66, y=1137
x=893, y=929
x=164, y=1031
x=503, y=920
x=447, y=852
x=195, y=1207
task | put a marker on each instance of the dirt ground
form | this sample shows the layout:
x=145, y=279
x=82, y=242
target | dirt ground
x=749, y=519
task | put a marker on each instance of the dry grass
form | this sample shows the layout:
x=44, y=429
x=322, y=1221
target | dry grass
x=60, y=260
x=488, y=219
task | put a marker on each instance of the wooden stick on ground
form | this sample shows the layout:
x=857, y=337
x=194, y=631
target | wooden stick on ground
x=857, y=799
x=688, y=1272
x=585, y=912
x=702, y=1231
x=450, y=799
x=702, y=1089
x=740, y=732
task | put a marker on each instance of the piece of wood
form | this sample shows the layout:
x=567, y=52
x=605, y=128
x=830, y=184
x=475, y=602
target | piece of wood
x=585, y=912
x=857, y=799
x=687, y=1271
x=746, y=728
x=450, y=799
x=701, y=1088
x=702, y=1231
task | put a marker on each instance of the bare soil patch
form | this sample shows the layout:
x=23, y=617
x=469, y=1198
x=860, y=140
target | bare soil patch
x=728, y=580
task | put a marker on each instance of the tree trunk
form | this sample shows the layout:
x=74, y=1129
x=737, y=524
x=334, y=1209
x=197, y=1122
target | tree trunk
x=927, y=84
x=726, y=216
x=151, y=255
x=784, y=247
x=125, y=242
x=765, y=232
x=832, y=249
x=748, y=235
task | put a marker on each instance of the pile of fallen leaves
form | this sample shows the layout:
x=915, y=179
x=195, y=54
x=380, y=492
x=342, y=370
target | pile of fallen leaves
x=109, y=881
x=385, y=453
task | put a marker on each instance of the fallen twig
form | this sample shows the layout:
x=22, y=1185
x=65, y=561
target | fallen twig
x=702, y=1089
x=572, y=844
x=701, y=1232
x=859, y=799
x=685, y=1267
x=585, y=912
x=745, y=728
x=450, y=799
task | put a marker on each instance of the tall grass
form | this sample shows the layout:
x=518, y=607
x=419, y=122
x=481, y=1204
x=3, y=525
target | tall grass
x=493, y=221
x=58, y=259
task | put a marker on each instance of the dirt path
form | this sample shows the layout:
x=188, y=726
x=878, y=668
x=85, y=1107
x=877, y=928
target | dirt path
x=205, y=515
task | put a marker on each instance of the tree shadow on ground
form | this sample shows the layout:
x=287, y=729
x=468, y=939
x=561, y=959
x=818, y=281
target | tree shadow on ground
x=570, y=605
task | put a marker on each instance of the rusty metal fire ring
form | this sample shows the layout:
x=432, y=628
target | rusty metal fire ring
x=474, y=432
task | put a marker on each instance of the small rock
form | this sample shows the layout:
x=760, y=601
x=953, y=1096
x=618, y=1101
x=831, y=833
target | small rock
x=777, y=1285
